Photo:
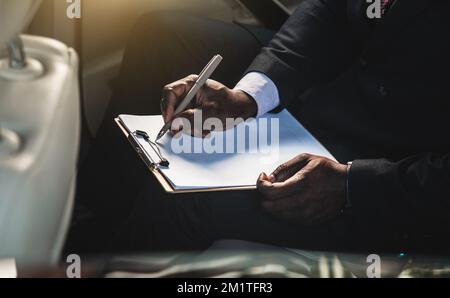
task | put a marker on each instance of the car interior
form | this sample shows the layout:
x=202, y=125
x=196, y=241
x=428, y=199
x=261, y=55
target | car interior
x=55, y=85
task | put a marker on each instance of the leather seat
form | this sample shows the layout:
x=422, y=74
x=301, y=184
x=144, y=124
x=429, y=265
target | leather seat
x=39, y=139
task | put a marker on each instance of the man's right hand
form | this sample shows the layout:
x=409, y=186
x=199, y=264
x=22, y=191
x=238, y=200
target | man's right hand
x=214, y=100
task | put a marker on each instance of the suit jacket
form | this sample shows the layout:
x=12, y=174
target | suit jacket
x=380, y=89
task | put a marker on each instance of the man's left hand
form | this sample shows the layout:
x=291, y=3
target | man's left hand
x=306, y=190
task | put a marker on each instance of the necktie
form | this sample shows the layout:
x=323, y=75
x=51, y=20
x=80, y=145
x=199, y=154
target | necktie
x=385, y=6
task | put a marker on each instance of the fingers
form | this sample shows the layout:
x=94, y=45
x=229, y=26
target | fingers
x=286, y=180
x=286, y=196
x=172, y=95
x=278, y=190
x=288, y=169
x=264, y=182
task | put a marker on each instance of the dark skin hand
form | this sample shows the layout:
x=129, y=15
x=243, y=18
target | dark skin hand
x=214, y=100
x=306, y=190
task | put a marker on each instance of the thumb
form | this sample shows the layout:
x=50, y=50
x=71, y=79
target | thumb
x=173, y=94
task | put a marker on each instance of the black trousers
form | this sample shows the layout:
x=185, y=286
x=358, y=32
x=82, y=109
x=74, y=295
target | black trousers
x=128, y=204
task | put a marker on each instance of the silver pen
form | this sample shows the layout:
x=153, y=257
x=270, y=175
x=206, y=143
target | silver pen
x=202, y=78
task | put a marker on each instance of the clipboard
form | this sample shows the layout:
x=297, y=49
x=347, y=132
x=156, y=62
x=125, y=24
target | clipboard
x=154, y=169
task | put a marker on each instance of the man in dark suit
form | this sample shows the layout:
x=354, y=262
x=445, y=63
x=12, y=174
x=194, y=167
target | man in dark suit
x=375, y=92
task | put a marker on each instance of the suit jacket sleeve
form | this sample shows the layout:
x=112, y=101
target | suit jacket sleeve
x=312, y=47
x=409, y=197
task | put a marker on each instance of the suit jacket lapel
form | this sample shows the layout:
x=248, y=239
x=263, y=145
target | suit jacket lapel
x=400, y=13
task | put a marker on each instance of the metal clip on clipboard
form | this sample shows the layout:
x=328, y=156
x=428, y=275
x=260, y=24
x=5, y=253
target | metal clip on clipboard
x=142, y=152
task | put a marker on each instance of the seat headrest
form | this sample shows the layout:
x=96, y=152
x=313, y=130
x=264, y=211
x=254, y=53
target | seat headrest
x=15, y=15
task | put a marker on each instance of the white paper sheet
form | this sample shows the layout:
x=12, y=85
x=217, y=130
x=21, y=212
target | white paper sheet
x=236, y=168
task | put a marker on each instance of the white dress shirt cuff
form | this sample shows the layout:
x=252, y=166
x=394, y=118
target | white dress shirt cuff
x=262, y=89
